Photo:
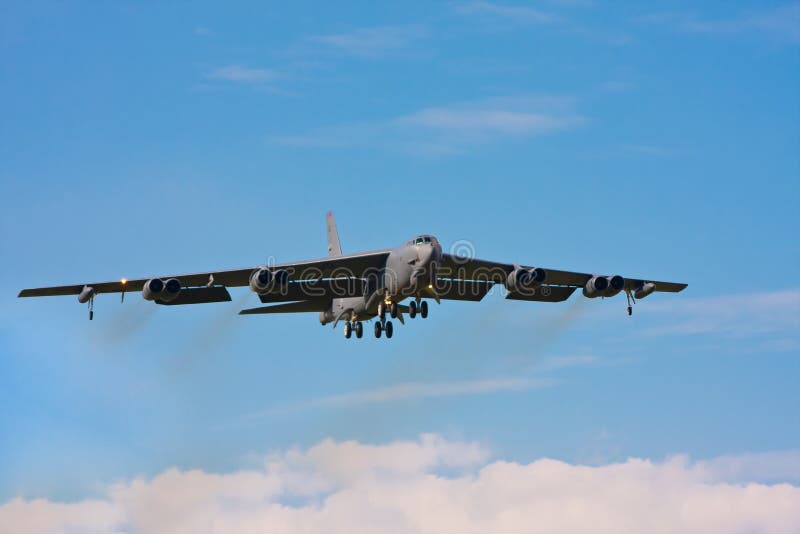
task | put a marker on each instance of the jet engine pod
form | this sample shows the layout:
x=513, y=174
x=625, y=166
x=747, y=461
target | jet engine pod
x=153, y=289
x=86, y=294
x=615, y=284
x=172, y=288
x=595, y=287
x=538, y=275
x=644, y=290
x=265, y=281
x=520, y=280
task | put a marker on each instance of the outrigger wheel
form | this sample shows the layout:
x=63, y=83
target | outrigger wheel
x=378, y=329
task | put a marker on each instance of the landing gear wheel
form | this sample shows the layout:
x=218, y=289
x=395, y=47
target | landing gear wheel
x=359, y=329
x=389, y=329
x=382, y=311
x=348, y=330
x=630, y=310
x=412, y=309
x=393, y=310
x=378, y=329
x=423, y=309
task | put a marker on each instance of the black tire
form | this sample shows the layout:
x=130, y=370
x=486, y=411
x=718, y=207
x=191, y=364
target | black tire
x=389, y=329
x=378, y=330
x=359, y=329
x=423, y=309
x=412, y=309
x=348, y=330
x=393, y=310
x=382, y=311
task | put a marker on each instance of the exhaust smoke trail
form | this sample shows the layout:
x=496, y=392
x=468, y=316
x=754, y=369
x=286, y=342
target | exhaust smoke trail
x=132, y=319
x=210, y=335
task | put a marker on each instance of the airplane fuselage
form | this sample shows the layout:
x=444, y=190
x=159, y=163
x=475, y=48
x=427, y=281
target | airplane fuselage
x=409, y=268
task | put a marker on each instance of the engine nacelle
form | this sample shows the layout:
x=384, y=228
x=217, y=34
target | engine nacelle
x=265, y=281
x=644, y=290
x=172, y=289
x=615, y=284
x=157, y=289
x=153, y=289
x=525, y=279
x=86, y=294
x=595, y=287
x=603, y=286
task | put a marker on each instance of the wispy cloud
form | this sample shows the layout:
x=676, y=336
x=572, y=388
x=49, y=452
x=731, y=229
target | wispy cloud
x=780, y=23
x=739, y=315
x=515, y=14
x=412, y=390
x=446, y=130
x=401, y=486
x=370, y=42
x=243, y=75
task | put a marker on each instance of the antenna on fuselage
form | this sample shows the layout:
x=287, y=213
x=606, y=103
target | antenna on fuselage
x=334, y=247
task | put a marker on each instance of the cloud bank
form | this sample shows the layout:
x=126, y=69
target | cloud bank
x=432, y=485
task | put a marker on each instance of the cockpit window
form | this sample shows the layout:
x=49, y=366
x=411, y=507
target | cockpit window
x=418, y=241
x=427, y=239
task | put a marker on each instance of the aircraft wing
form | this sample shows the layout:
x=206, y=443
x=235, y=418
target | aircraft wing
x=463, y=268
x=355, y=265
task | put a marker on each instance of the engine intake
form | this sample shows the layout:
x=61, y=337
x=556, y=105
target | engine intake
x=603, y=286
x=265, y=281
x=520, y=280
x=172, y=289
x=153, y=289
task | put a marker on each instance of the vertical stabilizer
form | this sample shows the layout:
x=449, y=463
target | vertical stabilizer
x=334, y=247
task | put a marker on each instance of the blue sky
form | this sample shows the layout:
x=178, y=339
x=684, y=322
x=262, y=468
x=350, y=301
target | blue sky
x=656, y=140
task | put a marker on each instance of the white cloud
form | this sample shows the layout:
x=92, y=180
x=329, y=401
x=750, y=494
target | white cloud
x=518, y=14
x=240, y=74
x=451, y=129
x=371, y=42
x=739, y=315
x=416, y=390
x=780, y=23
x=343, y=487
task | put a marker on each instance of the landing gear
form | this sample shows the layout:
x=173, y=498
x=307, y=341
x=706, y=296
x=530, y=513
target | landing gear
x=631, y=301
x=91, y=308
x=389, y=329
x=359, y=330
x=382, y=311
x=423, y=309
x=378, y=329
x=412, y=309
x=348, y=330
x=393, y=310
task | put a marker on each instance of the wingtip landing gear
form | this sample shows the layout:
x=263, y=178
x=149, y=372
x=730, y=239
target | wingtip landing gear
x=631, y=302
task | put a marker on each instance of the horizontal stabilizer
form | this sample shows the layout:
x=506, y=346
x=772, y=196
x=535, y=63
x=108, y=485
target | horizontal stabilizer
x=544, y=294
x=290, y=307
x=199, y=295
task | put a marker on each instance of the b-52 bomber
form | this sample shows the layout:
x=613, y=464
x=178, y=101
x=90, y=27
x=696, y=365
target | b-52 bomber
x=353, y=288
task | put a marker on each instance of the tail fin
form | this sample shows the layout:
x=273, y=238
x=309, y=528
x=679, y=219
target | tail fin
x=334, y=247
